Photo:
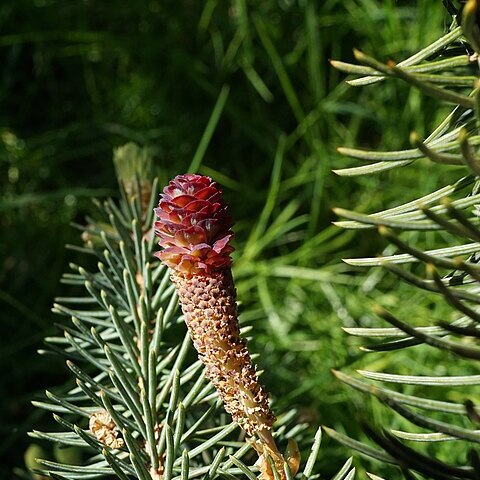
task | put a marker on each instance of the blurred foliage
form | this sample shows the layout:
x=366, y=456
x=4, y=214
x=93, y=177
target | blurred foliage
x=240, y=90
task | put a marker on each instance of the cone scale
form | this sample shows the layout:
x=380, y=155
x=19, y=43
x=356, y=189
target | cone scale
x=194, y=229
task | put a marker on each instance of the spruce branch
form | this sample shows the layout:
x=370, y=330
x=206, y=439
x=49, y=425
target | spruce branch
x=140, y=405
x=451, y=269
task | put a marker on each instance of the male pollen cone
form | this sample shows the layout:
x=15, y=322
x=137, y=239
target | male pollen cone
x=194, y=229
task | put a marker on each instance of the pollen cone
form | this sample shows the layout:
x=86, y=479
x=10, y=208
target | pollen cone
x=194, y=229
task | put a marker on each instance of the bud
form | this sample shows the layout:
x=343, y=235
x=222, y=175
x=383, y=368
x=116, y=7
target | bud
x=102, y=426
x=134, y=167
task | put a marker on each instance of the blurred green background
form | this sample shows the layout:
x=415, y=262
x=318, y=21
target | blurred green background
x=241, y=90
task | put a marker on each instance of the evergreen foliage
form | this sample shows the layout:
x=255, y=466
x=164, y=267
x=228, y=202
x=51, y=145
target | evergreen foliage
x=123, y=295
x=442, y=406
x=91, y=77
x=141, y=406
